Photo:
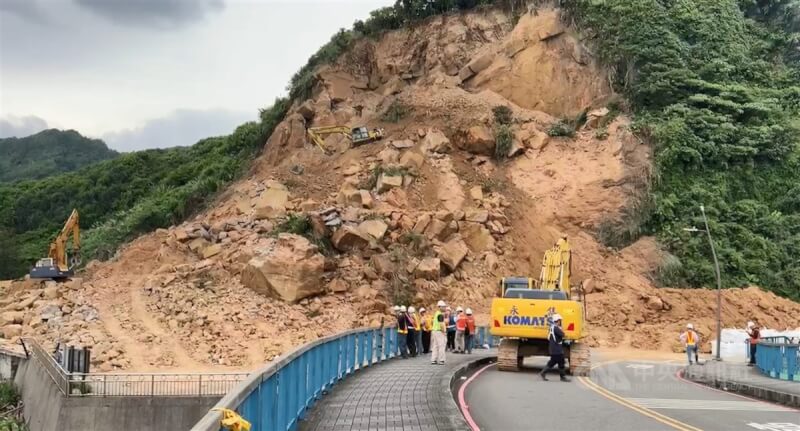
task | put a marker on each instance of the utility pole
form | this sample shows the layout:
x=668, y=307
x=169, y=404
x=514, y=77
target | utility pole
x=719, y=282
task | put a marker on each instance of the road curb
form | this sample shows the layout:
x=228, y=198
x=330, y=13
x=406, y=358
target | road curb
x=753, y=391
x=456, y=382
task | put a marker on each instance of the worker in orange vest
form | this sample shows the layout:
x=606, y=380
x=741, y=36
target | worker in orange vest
x=690, y=341
x=754, y=335
x=469, y=330
x=427, y=325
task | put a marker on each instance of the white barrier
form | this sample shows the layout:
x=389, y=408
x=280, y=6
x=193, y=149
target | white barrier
x=734, y=342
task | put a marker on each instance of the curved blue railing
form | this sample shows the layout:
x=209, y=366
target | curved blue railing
x=277, y=396
x=778, y=357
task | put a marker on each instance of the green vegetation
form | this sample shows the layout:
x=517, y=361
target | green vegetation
x=561, y=128
x=47, y=153
x=126, y=196
x=10, y=408
x=503, y=115
x=714, y=86
x=297, y=224
x=396, y=112
x=503, y=136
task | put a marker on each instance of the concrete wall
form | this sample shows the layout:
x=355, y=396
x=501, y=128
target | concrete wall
x=46, y=409
x=9, y=361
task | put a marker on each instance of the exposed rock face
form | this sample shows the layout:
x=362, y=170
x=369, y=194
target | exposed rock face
x=291, y=271
x=453, y=252
x=348, y=238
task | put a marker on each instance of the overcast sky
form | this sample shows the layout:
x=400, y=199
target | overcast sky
x=155, y=73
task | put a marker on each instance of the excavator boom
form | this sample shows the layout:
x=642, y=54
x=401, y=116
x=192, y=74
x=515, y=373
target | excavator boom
x=58, y=264
x=356, y=135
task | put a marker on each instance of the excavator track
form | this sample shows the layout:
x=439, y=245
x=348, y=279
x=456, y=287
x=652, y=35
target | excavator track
x=580, y=361
x=508, y=358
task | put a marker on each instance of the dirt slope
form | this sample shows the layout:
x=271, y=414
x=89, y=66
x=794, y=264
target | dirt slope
x=444, y=220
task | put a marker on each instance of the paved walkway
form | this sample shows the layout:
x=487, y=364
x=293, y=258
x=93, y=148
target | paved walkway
x=399, y=395
x=738, y=377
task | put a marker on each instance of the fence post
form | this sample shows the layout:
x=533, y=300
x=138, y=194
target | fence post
x=200, y=385
x=105, y=391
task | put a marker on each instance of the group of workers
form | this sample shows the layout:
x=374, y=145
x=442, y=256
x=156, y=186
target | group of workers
x=420, y=332
x=691, y=340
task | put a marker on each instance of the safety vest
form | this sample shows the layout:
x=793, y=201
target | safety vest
x=461, y=324
x=417, y=322
x=402, y=325
x=690, y=341
x=437, y=326
x=426, y=323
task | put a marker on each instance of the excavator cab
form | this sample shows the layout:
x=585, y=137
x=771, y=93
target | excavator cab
x=59, y=264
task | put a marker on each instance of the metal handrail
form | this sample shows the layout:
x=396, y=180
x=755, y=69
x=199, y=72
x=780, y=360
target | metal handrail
x=278, y=396
x=133, y=384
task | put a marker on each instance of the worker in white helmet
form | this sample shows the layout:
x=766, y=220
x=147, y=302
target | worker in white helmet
x=402, y=332
x=755, y=335
x=426, y=325
x=439, y=334
x=690, y=341
x=461, y=326
x=556, y=349
x=411, y=340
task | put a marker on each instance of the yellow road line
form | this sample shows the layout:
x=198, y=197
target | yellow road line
x=645, y=411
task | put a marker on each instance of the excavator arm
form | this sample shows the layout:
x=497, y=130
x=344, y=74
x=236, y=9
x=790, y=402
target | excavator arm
x=317, y=134
x=58, y=248
x=556, y=267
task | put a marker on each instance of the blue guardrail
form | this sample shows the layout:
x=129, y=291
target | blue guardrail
x=279, y=395
x=778, y=357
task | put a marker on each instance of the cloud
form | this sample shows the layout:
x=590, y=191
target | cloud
x=25, y=9
x=21, y=126
x=152, y=13
x=180, y=128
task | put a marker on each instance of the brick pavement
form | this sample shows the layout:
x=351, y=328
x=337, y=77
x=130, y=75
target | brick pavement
x=397, y=395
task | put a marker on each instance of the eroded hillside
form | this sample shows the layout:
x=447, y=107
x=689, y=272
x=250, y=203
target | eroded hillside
x=311, y=244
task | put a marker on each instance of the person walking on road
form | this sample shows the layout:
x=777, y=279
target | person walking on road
x=402, y=332
x=755, y=335
x=412, y=332
x=469, y=330
x=461, y=325
x=439, y=334
x=556, y=349
x=690, y=341
x=450, y=318
x=426, y=330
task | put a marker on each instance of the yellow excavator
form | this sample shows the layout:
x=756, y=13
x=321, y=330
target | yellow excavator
x=521, y=315
x=356, y=135
x=57, y=264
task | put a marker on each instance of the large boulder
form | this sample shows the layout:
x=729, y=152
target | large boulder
x=435, y=141
x=428, y=269
x=374, y=228
x=272, y=202
x=388, y=182
x=453, y=252
x=290, y=271
x=478, y=140
x=476, y=236
x=348, y=238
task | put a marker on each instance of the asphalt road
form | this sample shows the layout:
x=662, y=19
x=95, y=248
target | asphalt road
x=619, y=396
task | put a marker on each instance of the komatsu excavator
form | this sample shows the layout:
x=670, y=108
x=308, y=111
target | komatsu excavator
x=356, y=135
x=522, y=313
x=58, y=265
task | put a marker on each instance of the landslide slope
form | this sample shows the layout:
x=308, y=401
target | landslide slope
x=313, y=243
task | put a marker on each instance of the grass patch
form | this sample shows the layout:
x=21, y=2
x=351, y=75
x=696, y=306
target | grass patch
x=396, y=112
x=298, y=224
x=503, y=114
x=503, y=138
x=601, y=133
x=561, y=128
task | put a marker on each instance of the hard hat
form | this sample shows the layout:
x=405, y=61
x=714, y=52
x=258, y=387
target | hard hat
x=459, y=308
x=469, y=311
x=402, y=308
x=396, y=308
x=441, y=304
x=421, y=309
x=750, y=324
x=411, y=309
x=689, y=326
x=556, y=317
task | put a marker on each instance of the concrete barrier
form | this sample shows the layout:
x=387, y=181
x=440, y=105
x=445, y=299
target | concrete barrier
x=47, y=409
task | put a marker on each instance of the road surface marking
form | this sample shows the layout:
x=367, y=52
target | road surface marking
x=678, y=425
x=682, y=404
x=462, y=402
x=775, y=426
x=640, y=366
